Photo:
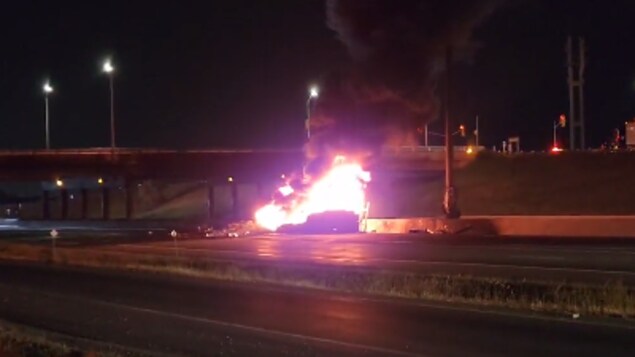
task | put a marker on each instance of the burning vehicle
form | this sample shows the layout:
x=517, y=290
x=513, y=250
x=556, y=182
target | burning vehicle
x=334, y=202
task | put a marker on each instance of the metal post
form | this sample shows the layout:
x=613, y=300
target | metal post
x=450, y=199
x=46, y=205
x=477, y=134
x=307, y=129
x=307, y=124
x=64, y=199
x=210, y=200
x=130, y=193
x=105, y=203
x=425, y=128
x=235, y=206
x=581, y=67
x=84, y=198
x=571, y=82
x=555, y=142
x=112, y=112
x=46, y=116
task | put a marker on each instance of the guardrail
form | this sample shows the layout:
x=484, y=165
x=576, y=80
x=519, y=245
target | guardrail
x=135, y=151
x=417, y=149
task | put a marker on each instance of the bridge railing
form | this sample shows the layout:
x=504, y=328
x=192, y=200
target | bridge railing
x=423, y=150
x=135, y=151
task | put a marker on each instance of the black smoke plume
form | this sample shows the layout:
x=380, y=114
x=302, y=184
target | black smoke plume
x=397, y=49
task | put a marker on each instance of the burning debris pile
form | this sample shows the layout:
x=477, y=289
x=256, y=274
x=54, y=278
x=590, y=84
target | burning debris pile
x=340, y=189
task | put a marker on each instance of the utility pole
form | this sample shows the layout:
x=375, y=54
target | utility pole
x=48, y=89
x=450, y=207
x=425, y=128
x=109, y=69
x=575, y=72
x=476, y=133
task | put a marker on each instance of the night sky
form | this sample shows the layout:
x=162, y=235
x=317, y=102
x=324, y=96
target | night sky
x=235, y=73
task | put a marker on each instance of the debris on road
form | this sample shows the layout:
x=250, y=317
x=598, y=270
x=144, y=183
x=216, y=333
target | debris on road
x=235, y=230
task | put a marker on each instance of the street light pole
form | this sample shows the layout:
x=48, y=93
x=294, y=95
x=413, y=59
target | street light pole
x=112, y=112
x=46, y=108
x=313, y=93
x=109, y=70
x=450, y=206
x=477, y=133
x=48, y=89
x=425, y=128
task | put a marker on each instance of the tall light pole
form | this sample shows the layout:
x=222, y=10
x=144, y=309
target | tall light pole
x=109, y=70
x=562, y=122
x=476, y=133
x=313, y=93
x=48, y=89
x=450, y=200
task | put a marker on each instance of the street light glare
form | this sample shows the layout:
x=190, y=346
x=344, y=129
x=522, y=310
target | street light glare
x=47, y=88
x=314, y=92
x=108, y=67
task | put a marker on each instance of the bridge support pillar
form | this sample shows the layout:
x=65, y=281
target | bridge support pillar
x=105, y=203
x=210, y=200
x=64, y=201
x=84, y=198
x=46, y=205
x=130, y=195
x=235, y=205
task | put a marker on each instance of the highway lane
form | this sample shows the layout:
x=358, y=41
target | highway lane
x=186, y=316
x=595, y=261
x=559, y=259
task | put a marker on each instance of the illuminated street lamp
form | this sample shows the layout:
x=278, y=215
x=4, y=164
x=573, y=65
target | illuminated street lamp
x=109, y=69
x=562, y=122
x=313, y=94
x=48, y=89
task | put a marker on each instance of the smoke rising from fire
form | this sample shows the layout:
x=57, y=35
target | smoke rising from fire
x=397, y=50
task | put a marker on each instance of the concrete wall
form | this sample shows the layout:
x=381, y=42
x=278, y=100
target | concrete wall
x=560, y=226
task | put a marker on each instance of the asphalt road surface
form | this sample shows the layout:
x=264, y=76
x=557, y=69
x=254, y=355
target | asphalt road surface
x=186, y=316
x=582, y=260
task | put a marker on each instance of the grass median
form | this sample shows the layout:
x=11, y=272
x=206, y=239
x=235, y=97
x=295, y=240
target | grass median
x=17, y=340
x=610, y=299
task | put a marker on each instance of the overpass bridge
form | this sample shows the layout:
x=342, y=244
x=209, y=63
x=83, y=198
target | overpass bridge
x=78, y=172
x=140, y=164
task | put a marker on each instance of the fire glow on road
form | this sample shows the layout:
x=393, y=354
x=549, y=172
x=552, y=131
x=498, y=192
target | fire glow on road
x=341, y=188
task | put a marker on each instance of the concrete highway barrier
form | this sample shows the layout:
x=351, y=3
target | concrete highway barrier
x=562, y=226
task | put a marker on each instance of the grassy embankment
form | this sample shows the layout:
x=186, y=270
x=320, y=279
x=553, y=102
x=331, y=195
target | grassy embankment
x=17, y=340
x=492, y=184
x=530, y=184
x=610, y=299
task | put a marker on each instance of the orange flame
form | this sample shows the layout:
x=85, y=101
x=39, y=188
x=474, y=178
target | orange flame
x=342, y=188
